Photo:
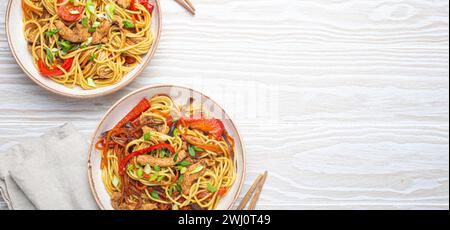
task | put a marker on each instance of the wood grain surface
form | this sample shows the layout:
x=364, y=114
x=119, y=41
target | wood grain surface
x=344, y=102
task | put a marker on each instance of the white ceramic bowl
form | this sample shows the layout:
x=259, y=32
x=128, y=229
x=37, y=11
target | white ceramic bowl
x=19, y=49
x=180, y=95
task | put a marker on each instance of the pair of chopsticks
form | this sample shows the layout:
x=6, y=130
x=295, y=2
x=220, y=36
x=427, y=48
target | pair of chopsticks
x=187, y=4
x=254, y=190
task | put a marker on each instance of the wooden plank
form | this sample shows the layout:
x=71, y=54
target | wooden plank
x=345, y=103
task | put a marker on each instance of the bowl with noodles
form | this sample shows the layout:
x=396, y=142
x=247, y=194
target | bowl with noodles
x=166, y=147
x=83, y=48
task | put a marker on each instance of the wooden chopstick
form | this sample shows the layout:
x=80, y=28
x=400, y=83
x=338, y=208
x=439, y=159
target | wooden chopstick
x=258, y=192
x=187, y=5
x=257, y=185
x=190, y=4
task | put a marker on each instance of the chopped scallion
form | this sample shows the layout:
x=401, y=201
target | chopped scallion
x=198, y=169
x=211, y=188
x=147, y=136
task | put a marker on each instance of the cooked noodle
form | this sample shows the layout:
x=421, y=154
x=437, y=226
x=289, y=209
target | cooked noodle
x=94, y=64
x=203, y=142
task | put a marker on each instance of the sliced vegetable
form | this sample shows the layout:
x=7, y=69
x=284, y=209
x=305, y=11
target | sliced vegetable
x=128, y=24
x=66, y=46
x=130, y=60
x=211, y=188
x=109, y=8
x=198, y=169
x=148, y=6
x=180, y=180
x=197, y=149
x=160, y=178
x=143, y=106
x=85, y=22
x=184, y=163
x=162, y=153
x=70, y=12
x=92, y=57
x=175, y=158
x=155, y=194
x=147, y=136
x=212, y=126
x=90, y=8
x=50, y=56
x=170, y=190
x=147, y=169
x=115, y=181
x=130, y=167
x=51, y=32
x=209, y=147
x=191, y=151
x=91, y=82
x=157, y=168
x=153, y=177
x=96, y=24
x=140, y=172
x=222, y=191
x=74, y=12
x=167, y=117
x=45, y=71
x=88, y=42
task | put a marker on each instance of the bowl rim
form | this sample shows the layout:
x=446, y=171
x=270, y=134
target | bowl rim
x=153, y=86
x=144, y=65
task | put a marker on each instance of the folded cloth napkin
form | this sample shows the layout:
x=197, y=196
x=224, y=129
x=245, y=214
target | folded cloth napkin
x=47, y=173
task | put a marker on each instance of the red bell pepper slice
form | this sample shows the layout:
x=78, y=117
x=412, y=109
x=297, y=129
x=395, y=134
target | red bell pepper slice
x=145, y=3
x=212, y=126
x=169, y=119
x=125, y=161
x=143, y=106
x=209, y=147
x=222, y=191
x=67, y=65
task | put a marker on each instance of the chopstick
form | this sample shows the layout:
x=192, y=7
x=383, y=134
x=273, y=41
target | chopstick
x=255, y=190
x=187, y=4
x=258, y=192
x=190, y=4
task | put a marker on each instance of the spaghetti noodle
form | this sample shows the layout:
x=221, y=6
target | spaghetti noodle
x=87, y=43
x=167, y=157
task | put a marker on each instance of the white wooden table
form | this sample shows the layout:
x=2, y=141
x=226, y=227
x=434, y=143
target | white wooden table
x=346, y=103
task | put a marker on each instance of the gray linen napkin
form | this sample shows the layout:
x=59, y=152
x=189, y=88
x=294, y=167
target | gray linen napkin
x=49, y=172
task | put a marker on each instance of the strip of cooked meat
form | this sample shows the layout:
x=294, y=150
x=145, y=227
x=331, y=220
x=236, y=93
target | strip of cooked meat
x=184, y=146
x=31, y=36
x=78, y=34
x=190, y=177
x=115, y=202
x=146, y=129
x=192, y=140
x=124, y=3
x=162, y=162
x=99, y=35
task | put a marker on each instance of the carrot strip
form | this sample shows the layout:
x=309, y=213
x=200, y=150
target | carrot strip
x=143, y=106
